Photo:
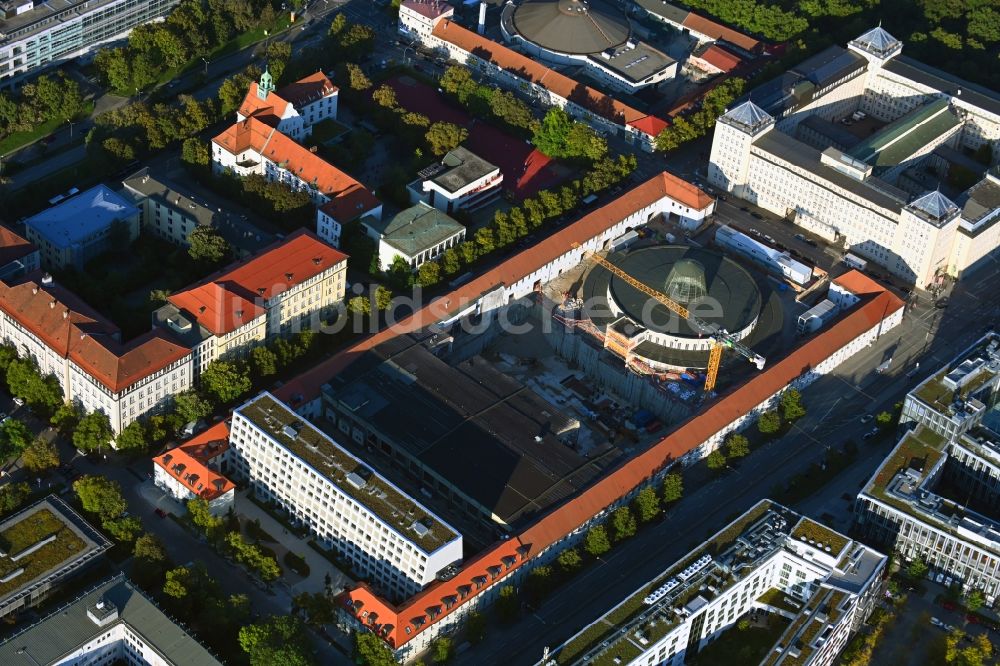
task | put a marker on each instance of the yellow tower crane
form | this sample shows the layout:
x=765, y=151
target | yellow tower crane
x=721, y=339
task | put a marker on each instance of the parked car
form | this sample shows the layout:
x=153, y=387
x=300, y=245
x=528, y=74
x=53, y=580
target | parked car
x=871, y=433
x=941, y=303
x=867, y=418
x=756, y=215
x=949, y=605
x=972, y=619
x=161, y=513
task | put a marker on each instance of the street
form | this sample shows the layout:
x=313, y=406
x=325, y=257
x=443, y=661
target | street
x=835, y=404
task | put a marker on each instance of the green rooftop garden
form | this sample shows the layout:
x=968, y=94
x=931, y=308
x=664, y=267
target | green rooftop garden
x=778, y=599
x=737, y=646
x=920, y=448
x=814, y=531
x=336, y=464
x=940, y=397
x=29, y=531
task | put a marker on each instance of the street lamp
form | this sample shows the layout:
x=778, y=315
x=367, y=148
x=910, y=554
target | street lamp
x=70, y=128
x=206, y=66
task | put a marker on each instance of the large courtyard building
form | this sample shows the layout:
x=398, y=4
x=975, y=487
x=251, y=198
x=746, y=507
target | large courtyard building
x=820, y=584
x=42, y=546
x=936, y=497
x=76, y=230
x=296, y=283
x=389, y=537
x=516, y=71
x=113, y=622
x=592, y=34
x=36, y=34
x=84, y=351
x=853, y=145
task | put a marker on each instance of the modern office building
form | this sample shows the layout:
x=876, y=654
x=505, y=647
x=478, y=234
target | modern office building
x=516, y=71
x=76, y=230
x=42, y=546
x=172, y=213
x=461, y=181
x=36, y=34
x=196, y=468
x=843, y=145
x=84, y=351
x=936, y=497
x=595, y=35
x=17, y=255
x=111, y=623
x=818, y=582
x=294, y=109
x=294, y=284
x=417, y=234
x=388, y=536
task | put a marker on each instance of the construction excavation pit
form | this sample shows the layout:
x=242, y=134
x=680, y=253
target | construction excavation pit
x=642, y=330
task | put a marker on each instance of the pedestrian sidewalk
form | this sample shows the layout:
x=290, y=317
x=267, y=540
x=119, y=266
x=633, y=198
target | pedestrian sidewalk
x=319, y=566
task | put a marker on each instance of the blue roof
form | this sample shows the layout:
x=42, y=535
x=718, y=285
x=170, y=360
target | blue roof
x=81, y=216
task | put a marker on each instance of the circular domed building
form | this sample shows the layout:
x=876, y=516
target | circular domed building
x=593, y=33
x=713, y=287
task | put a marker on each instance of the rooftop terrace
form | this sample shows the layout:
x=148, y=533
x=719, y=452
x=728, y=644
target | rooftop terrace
x=348, y=473
x=962, y=378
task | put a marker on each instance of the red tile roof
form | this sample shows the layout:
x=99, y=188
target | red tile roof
x=270, y=110
x=537, y=73
x=720, y=58
x=72, y=329
x=351, y=204
x=13, y=246
x=188, y=463
x=307, y=385
x=307, y=90
x=254, y=134
x=391, y=622
x=233, y=297
x=710, y=28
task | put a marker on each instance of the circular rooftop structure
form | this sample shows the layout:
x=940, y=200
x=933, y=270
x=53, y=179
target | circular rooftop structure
x=712, y=286
x=577, y=27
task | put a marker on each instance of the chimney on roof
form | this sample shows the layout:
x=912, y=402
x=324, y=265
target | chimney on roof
x=261, y=290
x=288, y=276
x=201, y=310
x=239, y=314
x=317, y=261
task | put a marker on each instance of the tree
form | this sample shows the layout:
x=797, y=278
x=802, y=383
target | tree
x=673, y=487
x=279, y=640
x=975, y=600
x=15, y=437
x=791, y=405
x=385, y=96
x=124, y=529
x=383, y=298
x=93, y=432
x=596, y=542
x=917, y=569
x=356, y=78
x=737, y=445
x=369, y=649
x=716, y=460
x=317, y=607
x=442, y=650
x=263, y=361
x=225, y=382
x=508, y=606
x=769, y=423
x=100, y=496
x=202, y=517
x=149, y=549
x=207, y=244
x=195, y=151
x=117, y=148
x=40, y=456
x=12, y=496
x=883, y=420
x=623, y=523
x=177, y=583
x=569, y=561
x=132, y=437
x=443, y=136
x=550, y=137
x=428, y=274
x=66, y=417
x=278, y=54
x=647, y=504
x=475, y=627
x=191, y=407
x=360, y=305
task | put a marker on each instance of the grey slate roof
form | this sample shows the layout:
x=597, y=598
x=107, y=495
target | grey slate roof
x=665, y=10
x=973, y=94
x=69, y=627
x=419, y=228
x=799, y=85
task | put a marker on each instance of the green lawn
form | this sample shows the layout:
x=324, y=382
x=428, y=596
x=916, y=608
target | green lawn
x=19, y=139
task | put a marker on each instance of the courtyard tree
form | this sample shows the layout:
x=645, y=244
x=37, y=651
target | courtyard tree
x=15, y=437
x=917, y=569
x=361, y=305
x=647, y=504
x=207, y=244
x=281, y=639
x=191, y=407
x=263, y=361
x=975, y=600
x=444, y=136
x=12, y=496
x=673, y=487
x=428, y=274
x=385, y=96
x=383, y=298
x=225, y=382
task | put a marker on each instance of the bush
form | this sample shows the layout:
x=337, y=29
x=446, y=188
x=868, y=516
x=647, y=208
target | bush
x=296, y=563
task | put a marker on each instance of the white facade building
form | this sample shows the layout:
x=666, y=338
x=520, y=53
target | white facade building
x=770, y=559
x=194, y=470
x=873, y=195
x=462, y=181
x=386, y=535
x=294, y=109
x=418, y=234
x=35, y=35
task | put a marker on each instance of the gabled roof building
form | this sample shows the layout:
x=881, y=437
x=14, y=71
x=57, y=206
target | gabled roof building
x=196, y=468
x=294, y=109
